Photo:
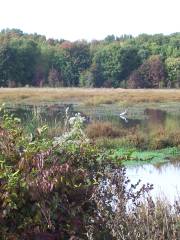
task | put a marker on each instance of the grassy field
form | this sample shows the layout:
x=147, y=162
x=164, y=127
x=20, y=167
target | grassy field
x=88, y=96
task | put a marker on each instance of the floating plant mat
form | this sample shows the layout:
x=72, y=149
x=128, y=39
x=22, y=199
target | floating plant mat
x=130, y=157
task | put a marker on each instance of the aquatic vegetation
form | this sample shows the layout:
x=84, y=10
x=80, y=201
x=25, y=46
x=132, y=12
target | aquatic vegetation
x=135, y=157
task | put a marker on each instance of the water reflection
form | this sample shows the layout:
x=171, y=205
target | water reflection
x=165, y=178
x=156, y=116
x=146, y=118
x=52, y=115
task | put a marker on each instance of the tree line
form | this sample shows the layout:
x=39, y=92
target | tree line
x=145, y=61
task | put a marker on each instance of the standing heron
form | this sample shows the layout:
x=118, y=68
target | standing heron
x=122, y=116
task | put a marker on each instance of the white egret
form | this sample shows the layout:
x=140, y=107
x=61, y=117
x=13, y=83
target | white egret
x=123, y=113
x=122, y=116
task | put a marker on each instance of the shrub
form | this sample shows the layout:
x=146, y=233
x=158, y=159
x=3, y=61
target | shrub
x=45, y=185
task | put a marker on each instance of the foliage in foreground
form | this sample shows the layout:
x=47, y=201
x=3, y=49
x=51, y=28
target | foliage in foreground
x=45, y=184
x=65, y=188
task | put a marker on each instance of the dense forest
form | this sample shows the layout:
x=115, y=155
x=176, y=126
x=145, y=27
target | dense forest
x=145, y=61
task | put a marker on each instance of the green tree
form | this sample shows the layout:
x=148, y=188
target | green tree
x=115, y=63
x=4, y=58
x=86, y=78
x=110, y=38
x=78, y=59
x=173, y=71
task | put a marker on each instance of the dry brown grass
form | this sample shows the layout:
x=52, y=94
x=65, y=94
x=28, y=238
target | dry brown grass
x=88, y=96
x=103, y=129
x=109, y=136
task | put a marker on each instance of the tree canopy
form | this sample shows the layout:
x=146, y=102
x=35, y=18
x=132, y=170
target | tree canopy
x=145, y=61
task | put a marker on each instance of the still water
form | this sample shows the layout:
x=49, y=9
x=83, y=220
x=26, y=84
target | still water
x=146, y=117
x=165, y=179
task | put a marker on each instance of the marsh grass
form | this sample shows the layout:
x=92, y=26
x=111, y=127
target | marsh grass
x=155, y=220
x=88, y=96
x=112, y=136
x=99, y=129
x=164, y=138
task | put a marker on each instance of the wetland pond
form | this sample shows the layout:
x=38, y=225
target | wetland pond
x=165, y=177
